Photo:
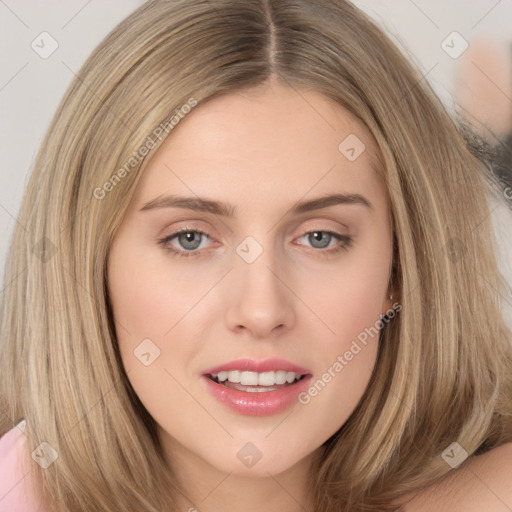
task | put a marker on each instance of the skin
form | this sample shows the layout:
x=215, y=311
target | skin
x=260, y=151
x=481, y=483
x=484, y=87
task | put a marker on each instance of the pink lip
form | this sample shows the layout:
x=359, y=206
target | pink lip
x=265, y=403
x=256, y=403
x=250, y=365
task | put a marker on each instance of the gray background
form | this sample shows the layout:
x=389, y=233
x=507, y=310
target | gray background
x=31, y=87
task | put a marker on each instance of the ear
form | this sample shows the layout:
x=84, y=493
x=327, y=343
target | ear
x=388, y=302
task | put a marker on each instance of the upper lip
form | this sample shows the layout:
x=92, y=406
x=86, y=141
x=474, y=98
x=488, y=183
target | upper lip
x=251, y=365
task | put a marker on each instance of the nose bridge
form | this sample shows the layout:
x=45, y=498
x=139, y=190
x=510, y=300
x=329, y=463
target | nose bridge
x=260, y=300
x=256, y=266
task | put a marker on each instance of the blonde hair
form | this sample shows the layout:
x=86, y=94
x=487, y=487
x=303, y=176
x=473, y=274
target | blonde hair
x=444, y=368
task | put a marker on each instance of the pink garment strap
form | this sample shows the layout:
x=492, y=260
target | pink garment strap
x=16, y=468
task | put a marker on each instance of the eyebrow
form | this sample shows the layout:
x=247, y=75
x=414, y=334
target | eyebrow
x=219, y=208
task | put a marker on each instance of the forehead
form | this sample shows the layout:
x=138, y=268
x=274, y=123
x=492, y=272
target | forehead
x=271, y=141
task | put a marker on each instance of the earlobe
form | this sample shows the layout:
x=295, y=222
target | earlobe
x=388, y=304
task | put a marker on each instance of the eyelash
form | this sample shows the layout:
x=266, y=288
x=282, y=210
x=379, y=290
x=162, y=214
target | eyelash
x=346, y=242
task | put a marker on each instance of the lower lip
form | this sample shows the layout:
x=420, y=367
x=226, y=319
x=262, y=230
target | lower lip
x=263, y=403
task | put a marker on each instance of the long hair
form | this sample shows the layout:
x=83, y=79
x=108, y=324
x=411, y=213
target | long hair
x=444, y=367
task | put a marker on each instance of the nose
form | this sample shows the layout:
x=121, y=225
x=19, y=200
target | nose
x=261, y=299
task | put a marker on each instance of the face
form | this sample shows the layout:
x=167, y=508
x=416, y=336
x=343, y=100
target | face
x=262, y=271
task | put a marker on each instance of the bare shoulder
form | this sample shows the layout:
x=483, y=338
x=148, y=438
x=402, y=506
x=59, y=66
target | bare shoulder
x=483, y=482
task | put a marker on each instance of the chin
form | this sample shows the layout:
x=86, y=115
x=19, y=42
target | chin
x=248, y=460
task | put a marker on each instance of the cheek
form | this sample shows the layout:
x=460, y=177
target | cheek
x=348, y=298
x=362, y=301
x=347, y=350
x=147, y=297
x=148, y=307
x=349, y=304
x=152, y=299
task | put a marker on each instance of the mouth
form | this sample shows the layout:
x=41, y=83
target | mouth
x=253, y=398
x=257, y=388
x=254, y=382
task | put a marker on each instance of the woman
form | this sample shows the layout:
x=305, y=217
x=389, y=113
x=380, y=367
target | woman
x=257, y=270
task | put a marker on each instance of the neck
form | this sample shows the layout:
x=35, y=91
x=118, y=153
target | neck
x=208, y=488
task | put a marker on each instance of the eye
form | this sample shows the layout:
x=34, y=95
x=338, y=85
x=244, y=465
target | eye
x=321, y=239
x=189, y=239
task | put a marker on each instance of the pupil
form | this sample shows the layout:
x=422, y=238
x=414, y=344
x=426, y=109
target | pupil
x=318, y=236
x=187, y=240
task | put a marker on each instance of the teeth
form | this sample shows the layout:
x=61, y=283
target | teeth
x=257, y=379
x=281, y=377
x=234, y=376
